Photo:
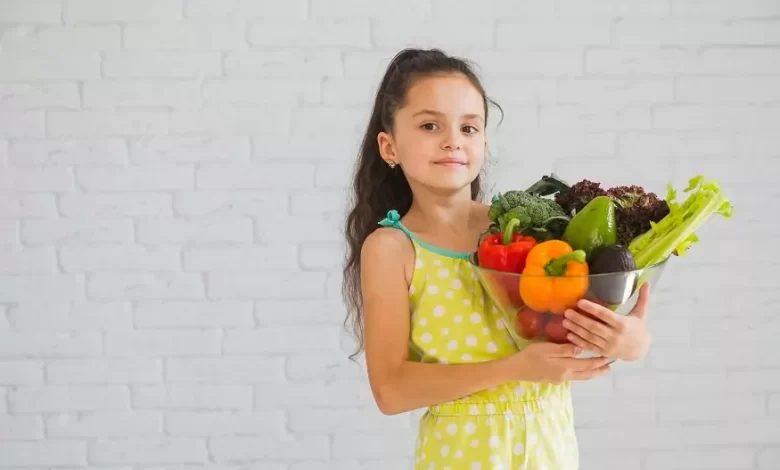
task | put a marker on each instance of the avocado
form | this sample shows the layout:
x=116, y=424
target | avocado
x=612, y=259
x=614, y=274
x=593, y=227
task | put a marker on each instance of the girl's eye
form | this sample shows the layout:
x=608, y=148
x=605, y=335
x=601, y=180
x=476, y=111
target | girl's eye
x=431, y=126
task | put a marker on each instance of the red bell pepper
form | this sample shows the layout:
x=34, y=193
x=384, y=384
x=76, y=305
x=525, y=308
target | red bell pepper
x=505, y=251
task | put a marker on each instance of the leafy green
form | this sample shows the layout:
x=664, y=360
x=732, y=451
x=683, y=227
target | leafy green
x=532, y=211
x=548, y=185
x=675, y=233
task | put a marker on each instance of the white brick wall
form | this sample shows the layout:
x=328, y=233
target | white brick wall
x=172, y=185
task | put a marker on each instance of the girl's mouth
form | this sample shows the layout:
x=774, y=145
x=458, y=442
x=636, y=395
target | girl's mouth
x=451, y=162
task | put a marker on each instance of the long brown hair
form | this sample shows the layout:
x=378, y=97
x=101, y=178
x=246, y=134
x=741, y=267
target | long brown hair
x=376, y=187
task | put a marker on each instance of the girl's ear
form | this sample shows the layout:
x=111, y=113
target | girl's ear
x=386, y=148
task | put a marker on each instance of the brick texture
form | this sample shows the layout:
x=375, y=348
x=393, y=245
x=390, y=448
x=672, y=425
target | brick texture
x=173, y=178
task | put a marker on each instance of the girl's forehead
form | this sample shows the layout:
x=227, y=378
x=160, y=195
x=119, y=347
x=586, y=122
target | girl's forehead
x=444, y=96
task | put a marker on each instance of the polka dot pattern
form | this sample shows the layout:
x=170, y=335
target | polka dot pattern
x=522, y=440
x=504, y=427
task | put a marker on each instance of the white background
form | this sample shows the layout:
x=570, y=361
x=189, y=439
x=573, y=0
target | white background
x=173, y=178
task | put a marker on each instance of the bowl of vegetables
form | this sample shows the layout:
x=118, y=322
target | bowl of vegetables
x=553, y=244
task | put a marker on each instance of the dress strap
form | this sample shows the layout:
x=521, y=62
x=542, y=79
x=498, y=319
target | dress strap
x=393, y=219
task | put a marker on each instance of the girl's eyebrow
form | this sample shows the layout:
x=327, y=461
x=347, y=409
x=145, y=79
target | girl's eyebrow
x=437, y=113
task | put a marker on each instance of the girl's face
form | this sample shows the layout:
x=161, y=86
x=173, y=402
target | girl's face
x=439, y=135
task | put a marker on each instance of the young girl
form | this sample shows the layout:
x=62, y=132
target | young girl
x=432, y=337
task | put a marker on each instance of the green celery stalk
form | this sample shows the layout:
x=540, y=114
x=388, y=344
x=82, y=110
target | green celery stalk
x=675, y=232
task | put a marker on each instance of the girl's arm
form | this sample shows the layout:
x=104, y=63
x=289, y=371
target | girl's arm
x=400, y=385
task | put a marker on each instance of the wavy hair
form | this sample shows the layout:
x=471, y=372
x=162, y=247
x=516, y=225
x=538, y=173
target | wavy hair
x=377, y=188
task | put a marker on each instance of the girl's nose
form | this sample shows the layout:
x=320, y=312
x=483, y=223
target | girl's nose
x=452, y=142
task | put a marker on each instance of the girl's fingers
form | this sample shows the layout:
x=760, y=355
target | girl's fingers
x=602, y=313
x=640, y=309
x=584, y=344
x=589, y=374
x=585, y=327
x=589, y=363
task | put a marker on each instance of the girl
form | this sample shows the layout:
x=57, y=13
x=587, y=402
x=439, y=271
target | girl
x=432, y=337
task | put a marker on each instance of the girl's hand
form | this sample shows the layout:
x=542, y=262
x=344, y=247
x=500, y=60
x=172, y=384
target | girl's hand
x=616, y=336
x=554, y=363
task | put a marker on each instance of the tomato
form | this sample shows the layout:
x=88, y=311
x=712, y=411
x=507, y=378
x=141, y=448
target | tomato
x=529, y=323
x=511, y=287
x=555, y=331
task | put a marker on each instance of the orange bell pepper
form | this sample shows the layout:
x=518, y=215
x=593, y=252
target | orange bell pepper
x=555, y=277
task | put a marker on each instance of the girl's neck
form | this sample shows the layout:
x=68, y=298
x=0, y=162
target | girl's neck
x=451, y=213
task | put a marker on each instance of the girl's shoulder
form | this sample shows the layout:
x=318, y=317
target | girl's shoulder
x=387, y=240
x=386, y=247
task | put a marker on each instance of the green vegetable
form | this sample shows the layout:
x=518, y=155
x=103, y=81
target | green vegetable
x=548, y=185
x=593, y=227
x=674, y=234
x=533, y=212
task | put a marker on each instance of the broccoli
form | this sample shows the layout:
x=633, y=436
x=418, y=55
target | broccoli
x=534, y=212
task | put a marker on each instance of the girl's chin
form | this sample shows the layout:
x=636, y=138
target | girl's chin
x=445, y=179
x=451, y=184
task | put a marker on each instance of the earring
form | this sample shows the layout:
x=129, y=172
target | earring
x=391, y=164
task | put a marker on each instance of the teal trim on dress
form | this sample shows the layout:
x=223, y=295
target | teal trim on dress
x=393, y=219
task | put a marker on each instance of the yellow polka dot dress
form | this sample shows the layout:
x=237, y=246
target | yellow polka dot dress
x=515, y=426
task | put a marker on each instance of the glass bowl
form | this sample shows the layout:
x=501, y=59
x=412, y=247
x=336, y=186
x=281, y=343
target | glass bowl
x=618, y=291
